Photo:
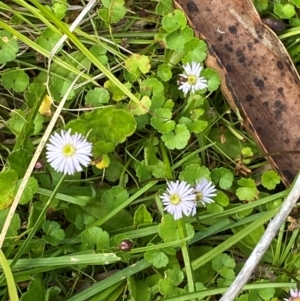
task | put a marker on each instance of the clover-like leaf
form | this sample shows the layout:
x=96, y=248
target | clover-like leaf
x=8, y=47
x=164, y=72
x=261, y=5
x=140, y=108
x=213, y=79
x=168, y=285
x=223, y=176
x=100, y=53
x=270, y=179
x=284, y=11
x=196, y=51
x=53, y=233
x=113, y=11
x=97, y=97
x=117, y=93
x=194, y=126
x=35, y=289
x=48, y=39
x=59, y=9
x=95, y=237
x=137, y=64
x=114, y=196
x=161, y=120
x=177, y=139
x=174, y=21
x=157, y=258
x=15, y=79
x=193, y=172
x=177, y=39
x=248, y=191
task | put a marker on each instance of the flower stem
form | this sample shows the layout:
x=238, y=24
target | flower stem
x=168, y=169
x=186, y=257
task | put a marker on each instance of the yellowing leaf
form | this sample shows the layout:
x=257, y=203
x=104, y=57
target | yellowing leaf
x=101, y=163
x=140, y=108
x=45, y=108
x=137, y=64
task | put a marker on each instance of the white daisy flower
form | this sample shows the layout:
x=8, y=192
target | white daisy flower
x=179, y=198
x=191, y=79
x=205, y=190
x=294, y=295
x=67, y=153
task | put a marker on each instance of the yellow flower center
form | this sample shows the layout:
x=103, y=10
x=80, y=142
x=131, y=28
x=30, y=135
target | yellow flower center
x=69, y=150
x=192, y=79
x=175, y=199
x=199, y=196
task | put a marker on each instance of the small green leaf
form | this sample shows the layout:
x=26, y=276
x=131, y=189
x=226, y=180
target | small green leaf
x=168, y=285
x=270, y=179
x=248, y=192
x=8, y=47
x=30, y=189
x=196, y=51
x=95, y=236
x=284, y=11
x=164, y=7
x=223, y=176
x=174, y=21
x=48, y=39
x=177, y=39
x=222, y=199
x=213, y=79
x=142, y=216
x=261, y=5
x=177, y=139
x=15, y=223
x=113, y=11
x=100, y=53
x=161, y=120
x=15, y=79
x=140, y=108
x=97, y=97
x=194, y=126
x=157, y=258
x=296, y=3
x=19, y=160
x=35, y=289
x=54, y=234
x=114, y=197
x=164, y=72
x=117, y=93
x=59, y=9
x=138, y=289
x=193, y=172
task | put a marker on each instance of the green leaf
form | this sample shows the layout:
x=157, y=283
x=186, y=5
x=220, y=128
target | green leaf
x=222, y=260
x=196, y=126
x=157, y=258
x=213, y=79
x=95, y=236
x=261, y=5
x=168, y=229
x=102, y=147
x=137, y=64
x=177, y=139
x=59, y=10
x=223, y=176
x=48, y=39
x=113, y=11
x=19, y=160
x=296, y=3
x=174, y=21
x=8, y=47
x=35, y=289
x=270, y=179
x=15, y=79
x=222, y=199
x=168, y=285
x=164, y=72
x=142, y=216
x=100, y=53
x=152, y=86
x=15, y=223
x=107, y=124
x=30, y=189
x=140, y=108
x=138, y=289
x=193, y=172
x=248, y=192
x=8, y=181
x=164, y=7
x=161, y=120
x=17, y=122
x=54, y=234
x=97, y=97
x=177, y=39
x=114, y=197
x=196, y=51
x=284, y=11
x=117, y=93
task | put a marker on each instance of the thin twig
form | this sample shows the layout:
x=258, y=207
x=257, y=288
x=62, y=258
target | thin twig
x=264, y=243
x=45, y=136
